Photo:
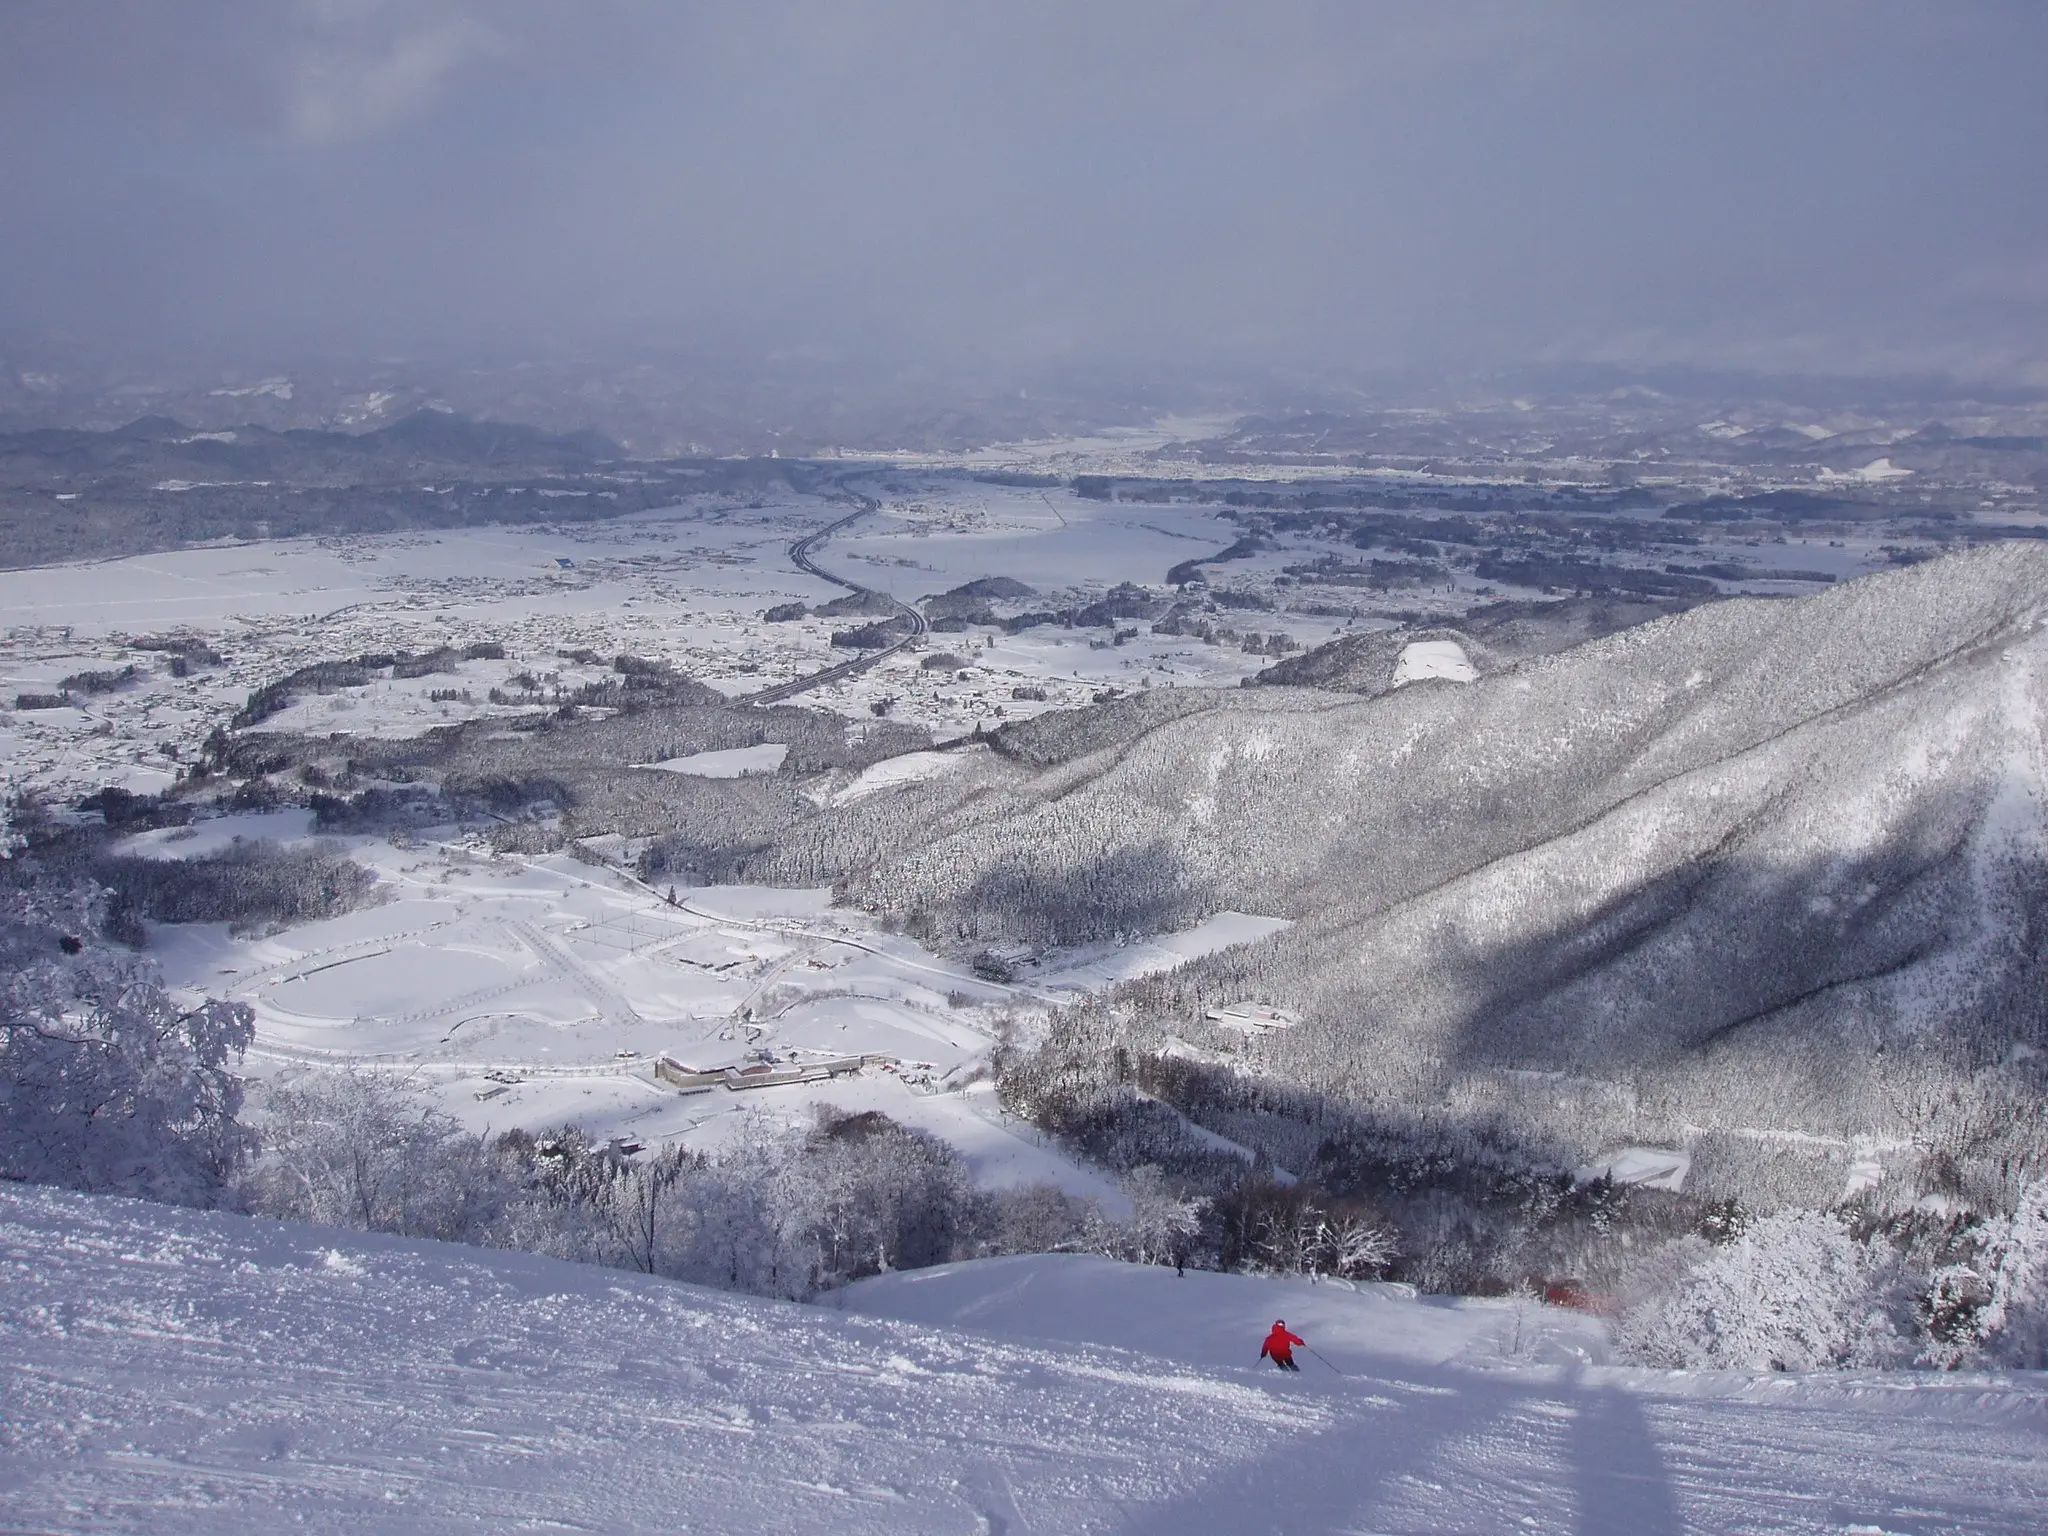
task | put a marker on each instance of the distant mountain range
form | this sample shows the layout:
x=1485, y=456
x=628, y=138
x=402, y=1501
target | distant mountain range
x=156, y=483
x=157, y=445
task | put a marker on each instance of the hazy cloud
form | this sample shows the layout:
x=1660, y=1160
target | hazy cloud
x=362, y=67
x=1839, y=183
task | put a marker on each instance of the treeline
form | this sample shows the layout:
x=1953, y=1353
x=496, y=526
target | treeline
x=1365, y=497
x=1943, y=1262
x=1468, y=1211
x=776, y=1211
x=355, y=672
x=564, y=773
x=1574, y=574
x=249, y=885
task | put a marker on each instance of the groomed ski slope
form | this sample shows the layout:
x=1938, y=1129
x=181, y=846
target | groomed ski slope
x=166, y=1371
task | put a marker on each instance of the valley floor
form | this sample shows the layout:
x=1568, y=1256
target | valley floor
x=171, y=1371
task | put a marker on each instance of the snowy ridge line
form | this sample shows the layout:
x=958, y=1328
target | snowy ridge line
x=1633, y=800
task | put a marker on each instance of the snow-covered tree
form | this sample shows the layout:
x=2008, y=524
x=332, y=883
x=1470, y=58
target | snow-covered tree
x=639, y=1205
x=106, y=1083
x=358, y=1149
x=1795, y=1291
x=1361, y=1248
x=1040, y=1218
x=1164, y=1222
x=2013, y=1264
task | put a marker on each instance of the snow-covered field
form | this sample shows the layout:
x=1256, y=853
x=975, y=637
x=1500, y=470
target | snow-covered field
x=731, y=763
x=532, y=993
x=686, y=585
x=529, y=992
x=170, y=1371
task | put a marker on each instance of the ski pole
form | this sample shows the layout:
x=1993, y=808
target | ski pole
x=1311, y=1349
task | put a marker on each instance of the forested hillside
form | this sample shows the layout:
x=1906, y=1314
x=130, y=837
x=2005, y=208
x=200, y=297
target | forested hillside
x=1768, y=865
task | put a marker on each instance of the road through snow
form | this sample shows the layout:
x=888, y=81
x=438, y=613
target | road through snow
x=800, y=557
x=169, y=1371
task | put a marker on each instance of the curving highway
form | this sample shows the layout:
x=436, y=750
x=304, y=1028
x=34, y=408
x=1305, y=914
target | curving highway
x=800, y=557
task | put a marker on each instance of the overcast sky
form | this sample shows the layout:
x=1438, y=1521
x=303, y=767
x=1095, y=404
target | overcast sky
x=1822, y=184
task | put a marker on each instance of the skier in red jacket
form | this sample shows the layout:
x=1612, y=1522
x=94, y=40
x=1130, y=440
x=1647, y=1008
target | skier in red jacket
x=1279, y=1347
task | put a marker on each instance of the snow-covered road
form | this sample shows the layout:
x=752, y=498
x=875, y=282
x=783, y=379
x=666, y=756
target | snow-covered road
x=166, y=1371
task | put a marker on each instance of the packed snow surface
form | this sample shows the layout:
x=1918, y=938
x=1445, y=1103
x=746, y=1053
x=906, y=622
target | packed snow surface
x=209, y=839
x=1652, y=1167
x=905, y=768
x=730, y=763
x=1434, y=658
x=171, y=1371
x=1216, y=1321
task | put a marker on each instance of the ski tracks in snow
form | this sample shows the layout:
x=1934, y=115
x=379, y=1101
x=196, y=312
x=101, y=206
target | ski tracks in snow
x=172, y=1371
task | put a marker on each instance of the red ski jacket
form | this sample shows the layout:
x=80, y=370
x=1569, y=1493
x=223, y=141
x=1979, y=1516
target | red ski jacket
x=1280, y=1343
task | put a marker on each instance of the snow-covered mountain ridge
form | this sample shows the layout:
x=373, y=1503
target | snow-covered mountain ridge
x=168, y=1370
x=1740, y=852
